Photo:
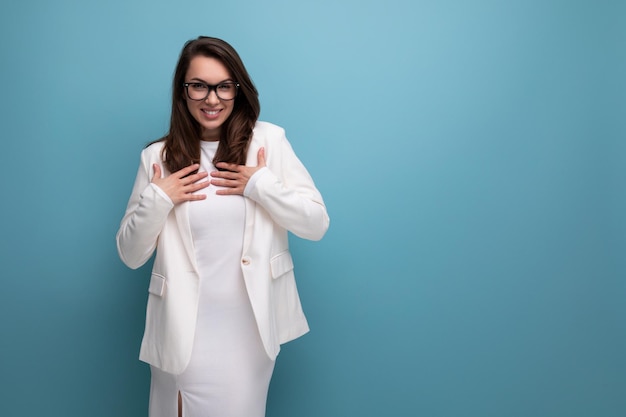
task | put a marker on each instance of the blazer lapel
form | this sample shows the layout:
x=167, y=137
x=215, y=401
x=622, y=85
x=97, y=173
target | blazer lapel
x=182, y=219
x=251, y=160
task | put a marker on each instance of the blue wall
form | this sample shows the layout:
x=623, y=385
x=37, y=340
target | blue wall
x=473, y=160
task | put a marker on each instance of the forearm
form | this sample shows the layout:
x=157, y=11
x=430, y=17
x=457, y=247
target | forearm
x=299, y=209
x=140, y=228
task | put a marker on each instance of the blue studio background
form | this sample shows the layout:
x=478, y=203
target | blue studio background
x=472, y=156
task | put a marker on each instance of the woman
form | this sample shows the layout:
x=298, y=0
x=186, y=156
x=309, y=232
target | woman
x=215, y=198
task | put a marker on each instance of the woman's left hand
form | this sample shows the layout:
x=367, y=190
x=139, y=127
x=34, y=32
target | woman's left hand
x=235, y=177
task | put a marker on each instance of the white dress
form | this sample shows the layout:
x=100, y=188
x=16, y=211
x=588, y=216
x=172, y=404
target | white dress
x=229, y=372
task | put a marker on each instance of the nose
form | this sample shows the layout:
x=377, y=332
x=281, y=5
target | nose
x=212, y=98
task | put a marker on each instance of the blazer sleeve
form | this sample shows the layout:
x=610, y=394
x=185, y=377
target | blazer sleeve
x=287, y=192
x=145, y=216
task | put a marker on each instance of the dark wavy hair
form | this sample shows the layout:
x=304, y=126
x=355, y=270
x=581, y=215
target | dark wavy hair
x=182, y=143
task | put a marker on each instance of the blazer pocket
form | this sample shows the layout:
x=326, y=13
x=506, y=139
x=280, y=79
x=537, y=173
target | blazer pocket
x=281, y=264
x=157, y=285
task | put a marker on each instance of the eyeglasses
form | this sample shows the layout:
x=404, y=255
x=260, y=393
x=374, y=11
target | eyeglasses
x=200, y=91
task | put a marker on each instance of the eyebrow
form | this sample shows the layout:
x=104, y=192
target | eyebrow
x=201, y=80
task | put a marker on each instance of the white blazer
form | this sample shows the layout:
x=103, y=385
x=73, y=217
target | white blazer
x=282, y=198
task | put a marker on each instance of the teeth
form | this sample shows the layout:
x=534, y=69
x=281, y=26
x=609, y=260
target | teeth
x=214, y=112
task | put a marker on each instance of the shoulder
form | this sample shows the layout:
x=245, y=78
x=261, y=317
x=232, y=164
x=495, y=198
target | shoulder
x=153, y=151
x=268, y=131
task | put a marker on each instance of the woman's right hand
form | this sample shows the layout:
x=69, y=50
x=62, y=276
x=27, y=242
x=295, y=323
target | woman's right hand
x=180, y=187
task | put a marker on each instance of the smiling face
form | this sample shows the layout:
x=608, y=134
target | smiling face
x=212, y=112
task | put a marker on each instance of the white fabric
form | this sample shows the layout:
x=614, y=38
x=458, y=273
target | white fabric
x=229, y=372
x=284, y=198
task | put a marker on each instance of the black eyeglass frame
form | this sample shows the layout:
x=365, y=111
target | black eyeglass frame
x=211, y=87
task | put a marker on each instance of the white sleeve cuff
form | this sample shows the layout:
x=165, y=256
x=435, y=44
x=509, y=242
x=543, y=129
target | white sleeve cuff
x=161, y=193
x=253, y=180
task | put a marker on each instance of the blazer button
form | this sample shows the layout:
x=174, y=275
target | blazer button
x=245, y=261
